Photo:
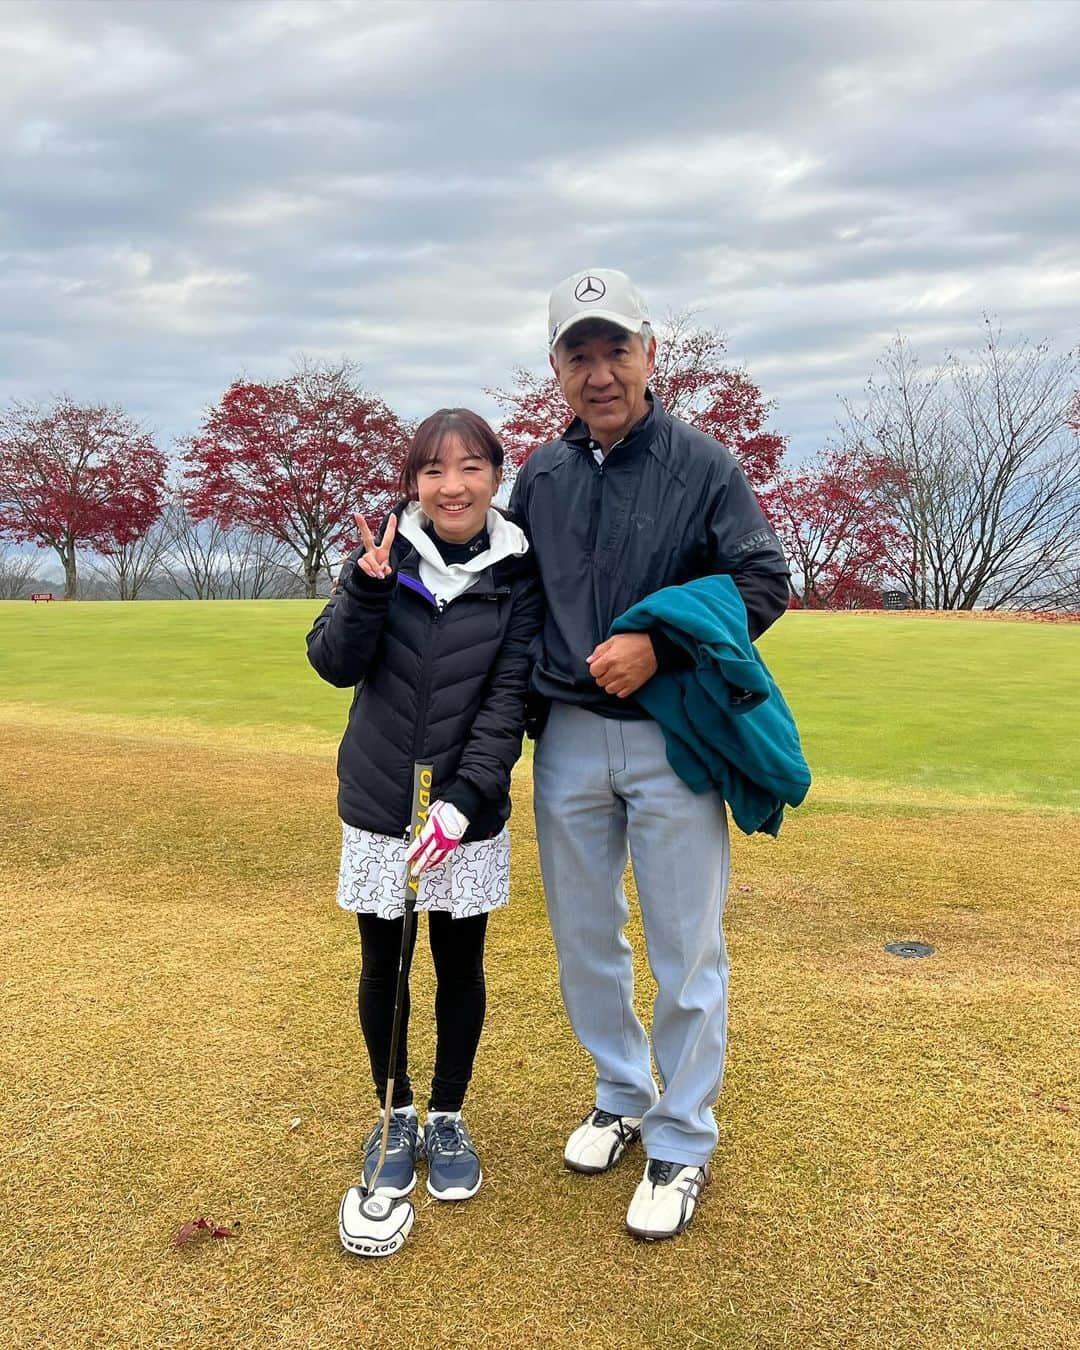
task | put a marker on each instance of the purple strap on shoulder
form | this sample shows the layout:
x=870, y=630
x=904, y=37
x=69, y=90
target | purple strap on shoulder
x=418, y=587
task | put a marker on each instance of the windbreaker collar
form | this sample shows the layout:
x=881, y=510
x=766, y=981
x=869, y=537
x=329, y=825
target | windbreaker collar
x=639, y=435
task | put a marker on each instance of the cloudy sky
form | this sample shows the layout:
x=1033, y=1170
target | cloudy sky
x=191, y=191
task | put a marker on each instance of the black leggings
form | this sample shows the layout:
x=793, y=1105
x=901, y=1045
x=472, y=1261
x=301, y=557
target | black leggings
x=457, y=949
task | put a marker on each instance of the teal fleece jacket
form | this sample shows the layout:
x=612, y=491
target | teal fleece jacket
x=725, y=721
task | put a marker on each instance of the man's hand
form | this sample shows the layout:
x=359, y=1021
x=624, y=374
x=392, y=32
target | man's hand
x=376, y=558
x=623, y=663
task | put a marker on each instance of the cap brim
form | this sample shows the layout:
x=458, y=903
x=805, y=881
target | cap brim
x=619, y=321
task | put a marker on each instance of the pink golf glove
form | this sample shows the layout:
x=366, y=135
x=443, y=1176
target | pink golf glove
x=441, y=834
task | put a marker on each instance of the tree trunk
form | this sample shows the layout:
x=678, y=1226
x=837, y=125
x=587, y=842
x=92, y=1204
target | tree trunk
x=71, y=580
x=311, y=579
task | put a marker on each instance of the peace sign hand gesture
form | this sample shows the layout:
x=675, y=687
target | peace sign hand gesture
x=375, y=560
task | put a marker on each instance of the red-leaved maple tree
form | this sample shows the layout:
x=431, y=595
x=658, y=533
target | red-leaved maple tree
x=76, y=476
x=836, y=531
x=692, y=382
x=293, y=460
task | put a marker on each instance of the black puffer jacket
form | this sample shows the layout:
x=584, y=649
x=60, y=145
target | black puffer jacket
x=443, y=686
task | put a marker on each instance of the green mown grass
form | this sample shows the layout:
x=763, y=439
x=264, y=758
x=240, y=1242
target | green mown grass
x=886, y=704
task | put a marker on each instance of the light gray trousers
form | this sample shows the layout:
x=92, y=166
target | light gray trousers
x=601, y=785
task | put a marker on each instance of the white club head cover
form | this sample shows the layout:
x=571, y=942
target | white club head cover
x=373, y=1225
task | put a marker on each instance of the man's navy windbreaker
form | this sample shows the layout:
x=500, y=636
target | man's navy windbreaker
x=668, y=505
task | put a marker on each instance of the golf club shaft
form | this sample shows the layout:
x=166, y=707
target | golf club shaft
x=421, y=803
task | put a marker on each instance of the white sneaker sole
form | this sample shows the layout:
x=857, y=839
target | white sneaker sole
x=395, y=1191
x=455, y=1192
x=647, y=1235
x=591, y=1171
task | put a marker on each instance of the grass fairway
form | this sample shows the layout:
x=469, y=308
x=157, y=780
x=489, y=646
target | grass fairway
x=898, y=1164
x=893, y=709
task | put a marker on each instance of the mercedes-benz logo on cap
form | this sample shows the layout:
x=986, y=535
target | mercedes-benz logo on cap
x=590, y=288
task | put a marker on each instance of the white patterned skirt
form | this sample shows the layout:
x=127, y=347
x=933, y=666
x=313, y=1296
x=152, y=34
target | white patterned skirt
x=474, y=879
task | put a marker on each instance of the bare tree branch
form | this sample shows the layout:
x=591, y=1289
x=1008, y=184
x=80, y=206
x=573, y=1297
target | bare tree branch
x=17, y=575
x=988, y=487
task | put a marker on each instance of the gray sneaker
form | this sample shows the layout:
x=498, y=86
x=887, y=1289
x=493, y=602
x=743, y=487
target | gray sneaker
x=453, y=1167
x=403, y=1147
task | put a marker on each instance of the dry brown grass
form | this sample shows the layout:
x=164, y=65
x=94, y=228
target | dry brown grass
x=898, y=1162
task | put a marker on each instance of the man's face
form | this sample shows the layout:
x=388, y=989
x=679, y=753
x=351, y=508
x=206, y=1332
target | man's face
x=603, y=373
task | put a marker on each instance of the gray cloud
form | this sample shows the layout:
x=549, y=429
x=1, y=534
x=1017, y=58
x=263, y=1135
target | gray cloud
x=194, y=190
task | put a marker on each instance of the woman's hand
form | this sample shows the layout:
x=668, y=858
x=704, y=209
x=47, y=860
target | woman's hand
x=376, y=557
x=442, y=832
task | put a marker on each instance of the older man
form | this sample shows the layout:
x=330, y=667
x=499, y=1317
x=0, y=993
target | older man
x=628, y=501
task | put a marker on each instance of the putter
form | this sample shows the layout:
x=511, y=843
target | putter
x=370, y=1224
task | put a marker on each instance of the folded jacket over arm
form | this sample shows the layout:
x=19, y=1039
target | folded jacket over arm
x=724, y=719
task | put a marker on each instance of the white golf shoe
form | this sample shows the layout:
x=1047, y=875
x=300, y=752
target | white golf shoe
x=665, y=1200
x=600, y=1141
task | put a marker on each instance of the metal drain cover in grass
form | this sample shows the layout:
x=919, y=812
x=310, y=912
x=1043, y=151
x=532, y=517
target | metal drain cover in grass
x=909, y=949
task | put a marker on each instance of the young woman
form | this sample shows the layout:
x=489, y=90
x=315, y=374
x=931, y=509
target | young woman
x=433, y=625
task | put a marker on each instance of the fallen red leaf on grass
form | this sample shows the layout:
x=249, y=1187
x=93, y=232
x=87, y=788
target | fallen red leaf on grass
x=194, y=1227
x=189, y=1230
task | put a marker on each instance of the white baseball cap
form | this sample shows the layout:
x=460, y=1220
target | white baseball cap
x=598, y=293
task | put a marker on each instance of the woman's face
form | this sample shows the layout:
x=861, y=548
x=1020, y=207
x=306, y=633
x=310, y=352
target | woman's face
x=456, y=489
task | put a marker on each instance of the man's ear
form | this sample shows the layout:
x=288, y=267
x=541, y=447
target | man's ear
x=554, y=363
x=650, y=355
